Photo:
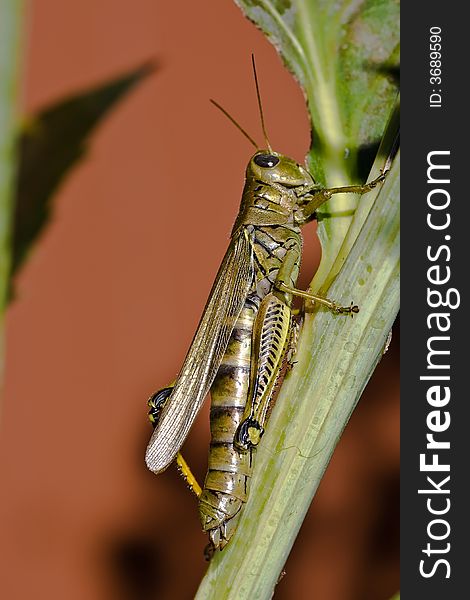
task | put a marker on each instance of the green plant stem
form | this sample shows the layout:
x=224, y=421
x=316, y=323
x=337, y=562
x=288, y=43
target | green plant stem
x=10, y=27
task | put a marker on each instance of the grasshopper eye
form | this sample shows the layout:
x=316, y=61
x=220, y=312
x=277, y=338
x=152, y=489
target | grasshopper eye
x=267, y=161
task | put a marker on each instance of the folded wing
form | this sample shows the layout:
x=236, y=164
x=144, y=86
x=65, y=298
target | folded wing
x=228, y=294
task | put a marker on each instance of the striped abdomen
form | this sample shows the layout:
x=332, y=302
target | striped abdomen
x=229, y=472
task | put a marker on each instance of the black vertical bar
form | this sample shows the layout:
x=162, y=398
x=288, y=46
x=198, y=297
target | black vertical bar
x=435, y=119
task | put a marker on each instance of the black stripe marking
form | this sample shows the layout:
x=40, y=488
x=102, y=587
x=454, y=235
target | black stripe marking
x=231, y=370
x=225, y=411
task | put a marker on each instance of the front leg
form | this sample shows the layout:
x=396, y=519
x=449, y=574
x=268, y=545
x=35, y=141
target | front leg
x=285, y=284
x=317, y=197
x=330, y=304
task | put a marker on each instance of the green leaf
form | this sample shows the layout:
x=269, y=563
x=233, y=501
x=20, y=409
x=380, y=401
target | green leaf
x=345, y=56
x=50, y=145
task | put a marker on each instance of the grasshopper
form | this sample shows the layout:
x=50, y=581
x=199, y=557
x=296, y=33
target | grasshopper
x=242, y=340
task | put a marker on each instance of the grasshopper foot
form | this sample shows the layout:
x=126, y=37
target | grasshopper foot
x=352, y=310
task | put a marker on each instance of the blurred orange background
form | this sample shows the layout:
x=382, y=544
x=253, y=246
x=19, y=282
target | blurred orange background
x=109, y=300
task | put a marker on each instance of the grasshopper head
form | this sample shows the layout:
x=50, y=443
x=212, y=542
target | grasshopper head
x=271, y=167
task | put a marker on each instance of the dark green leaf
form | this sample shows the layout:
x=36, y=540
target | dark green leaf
x=51, y=143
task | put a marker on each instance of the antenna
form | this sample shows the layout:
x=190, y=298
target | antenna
x=259, y=104
x=235, y=123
